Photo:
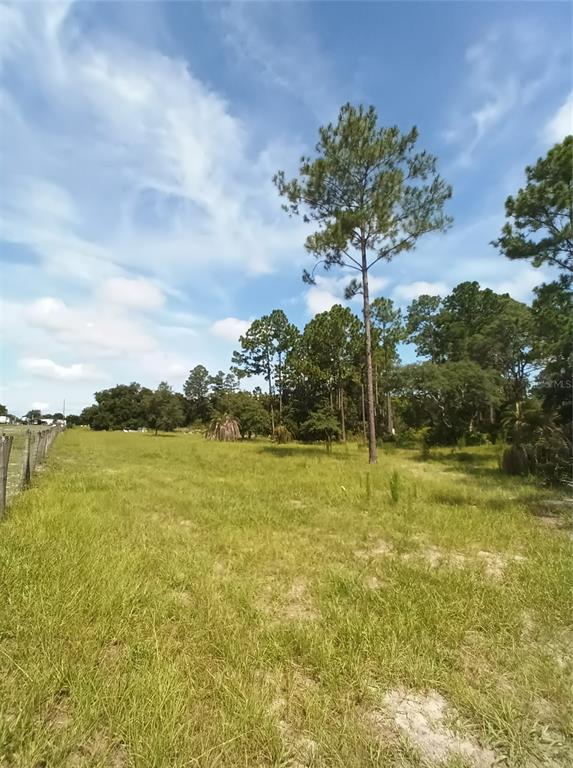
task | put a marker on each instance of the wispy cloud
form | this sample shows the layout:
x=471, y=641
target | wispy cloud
x=505, y=72
x=561, y=124
x=138, y=159
x=274, y=40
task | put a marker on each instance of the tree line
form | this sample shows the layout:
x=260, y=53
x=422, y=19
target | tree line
x=487, y=365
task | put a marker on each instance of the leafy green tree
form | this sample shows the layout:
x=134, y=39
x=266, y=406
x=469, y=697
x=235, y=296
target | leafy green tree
x=540, y=216
x=321, y=424
x=3, y=410
x=196, y=390
x=423, y=327
x=34, y=415
x=121, y=407
x=331, y=343
x=450, y=398
x=552, y=312
x=388, y=332
x=251, y=414
x=163, y=409
x=480, y=325
x=263, y=353
x=371, y=196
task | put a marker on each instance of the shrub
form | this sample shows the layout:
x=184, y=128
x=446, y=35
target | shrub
x=516, y=461
x=282, y=434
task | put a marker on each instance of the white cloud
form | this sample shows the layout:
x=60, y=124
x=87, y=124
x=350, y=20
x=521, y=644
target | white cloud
x=376, y=283
x=136, y=293
x=329, y=291
x=320, y=300
x=561, y=124
x=91, y=328
x=410, y=291
x=48, y=369
x=523, y=280
x=230, y=328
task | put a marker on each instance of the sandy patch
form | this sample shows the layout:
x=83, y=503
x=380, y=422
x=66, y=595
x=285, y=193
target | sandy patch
x=57, y=714
x=295, y=605
x=373, y=583
x=181, y=596
x=299, y=746
x=495, y=562
x=111, y=653
x=380, y=548
x=101, y=748
x=423, y=719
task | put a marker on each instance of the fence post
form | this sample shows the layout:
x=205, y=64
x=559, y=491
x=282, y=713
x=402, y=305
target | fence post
x=27, y=469
x=5, y=448
x=41, y=447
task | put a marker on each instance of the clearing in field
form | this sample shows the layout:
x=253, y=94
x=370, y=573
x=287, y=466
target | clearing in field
x=171, y=601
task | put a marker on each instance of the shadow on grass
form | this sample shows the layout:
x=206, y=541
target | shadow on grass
x=286, y=451
x=475, y=464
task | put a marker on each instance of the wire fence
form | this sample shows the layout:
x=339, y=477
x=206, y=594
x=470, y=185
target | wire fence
x=22, y=452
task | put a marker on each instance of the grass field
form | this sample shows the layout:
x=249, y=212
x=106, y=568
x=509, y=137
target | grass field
x=168, y=601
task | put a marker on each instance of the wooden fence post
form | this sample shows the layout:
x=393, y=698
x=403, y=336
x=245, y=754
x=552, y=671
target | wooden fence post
x=5, y=448
x=27, y=469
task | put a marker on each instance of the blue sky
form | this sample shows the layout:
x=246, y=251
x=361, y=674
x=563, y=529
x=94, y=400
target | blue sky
x=139, y=229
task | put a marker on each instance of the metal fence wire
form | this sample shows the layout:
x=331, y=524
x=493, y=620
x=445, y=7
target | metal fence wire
x=21, y=455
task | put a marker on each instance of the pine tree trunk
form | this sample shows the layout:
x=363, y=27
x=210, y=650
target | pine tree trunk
x=390, y=413
x=363, y=413
x=342, y=416
x=372, y=450
x=280, y=381
x=272, y=410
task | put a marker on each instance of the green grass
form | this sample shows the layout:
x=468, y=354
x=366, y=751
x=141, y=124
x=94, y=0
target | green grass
x=171, y=601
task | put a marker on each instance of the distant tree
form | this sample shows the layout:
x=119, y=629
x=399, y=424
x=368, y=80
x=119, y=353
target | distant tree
x=388, y=331
x=3, y=410
x=321, y=424
x=263, y=351
x=552, y=312
x=196, y=390
x=34, y=415
x=121, y=407
x=371, y=196
x=251, y=414
x=540, y=216
x=73, y=420
x=163, y=409
x=423, y=327
x=58, y=416
x=451, y=398
x=331, y=343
